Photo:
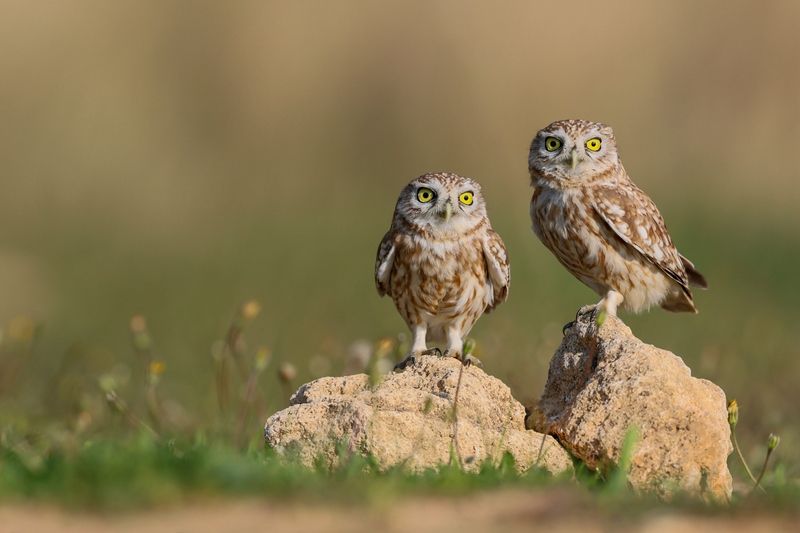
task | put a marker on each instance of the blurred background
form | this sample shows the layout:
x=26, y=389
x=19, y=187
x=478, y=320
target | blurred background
x=176, y=159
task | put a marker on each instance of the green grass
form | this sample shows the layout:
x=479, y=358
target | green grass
x=139, y=471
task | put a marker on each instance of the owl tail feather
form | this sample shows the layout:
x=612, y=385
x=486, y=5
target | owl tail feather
x=680, y=302
x=696, y=279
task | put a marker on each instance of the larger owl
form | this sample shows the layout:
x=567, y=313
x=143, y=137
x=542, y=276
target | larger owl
x=441, y=262
x=601, y=227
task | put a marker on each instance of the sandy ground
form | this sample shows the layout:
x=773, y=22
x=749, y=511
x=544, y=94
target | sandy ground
x=504, y=511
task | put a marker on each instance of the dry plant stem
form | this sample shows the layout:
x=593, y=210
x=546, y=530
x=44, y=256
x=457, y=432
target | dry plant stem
x=763, y=471
x=222, y=384
x=146, y=355
x=232, y=346
x=222, y=374
x=247, y=404
x=154, y=406
x=455, y=418
x=741, y=457
x=541, y=450
x=132, y=419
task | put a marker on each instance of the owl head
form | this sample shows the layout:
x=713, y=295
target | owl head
x=572, y=150
x=443, y=204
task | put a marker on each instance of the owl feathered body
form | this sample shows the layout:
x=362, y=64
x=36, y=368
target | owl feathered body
x=441, y=262
x=605, y=230
x=438, y=282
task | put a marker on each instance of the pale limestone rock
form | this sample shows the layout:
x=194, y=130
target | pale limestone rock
x=407, y=418
x=603, y=380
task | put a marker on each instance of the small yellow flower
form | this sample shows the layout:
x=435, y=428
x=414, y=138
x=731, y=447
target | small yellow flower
x=773, y=441
x=733, y=413
x=250, y=309
x=157, y=368
x=383, y=347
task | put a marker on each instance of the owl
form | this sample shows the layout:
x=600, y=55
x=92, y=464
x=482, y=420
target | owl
x=600, y=226
x=441, y=262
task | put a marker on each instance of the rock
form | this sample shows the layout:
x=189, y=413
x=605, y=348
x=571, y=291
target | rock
x=603, y=381
x=407, y=418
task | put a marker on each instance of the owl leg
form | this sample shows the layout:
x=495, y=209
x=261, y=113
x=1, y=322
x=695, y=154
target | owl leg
x=609, y=304
x=455, y=347
x=454, y=342
x=418, y=347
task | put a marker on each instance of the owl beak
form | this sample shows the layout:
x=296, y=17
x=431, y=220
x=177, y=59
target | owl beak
x=573, y=162
x=448, y=211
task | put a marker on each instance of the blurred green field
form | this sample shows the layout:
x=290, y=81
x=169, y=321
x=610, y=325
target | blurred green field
x=176, y=160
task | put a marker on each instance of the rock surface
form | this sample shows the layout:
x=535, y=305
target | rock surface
x=603, y=380
x=407, y=418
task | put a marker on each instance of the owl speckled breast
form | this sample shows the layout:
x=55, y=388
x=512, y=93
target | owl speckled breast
x=439, y=281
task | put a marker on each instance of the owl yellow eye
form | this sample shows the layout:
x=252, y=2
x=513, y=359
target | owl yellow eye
x=424, y=195
x=466, y=198
x=594, y=144
x=552, y=144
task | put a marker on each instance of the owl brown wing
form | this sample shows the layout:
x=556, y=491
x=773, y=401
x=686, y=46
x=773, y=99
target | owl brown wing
x=494, y=250
x=635, y=219
x=384, y=261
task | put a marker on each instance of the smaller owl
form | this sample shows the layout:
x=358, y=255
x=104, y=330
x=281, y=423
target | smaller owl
x=441, y=262
x=600, y=226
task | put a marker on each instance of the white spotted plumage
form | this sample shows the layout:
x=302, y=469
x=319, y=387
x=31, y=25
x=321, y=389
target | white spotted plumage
x=441, y=262
x=606, y=231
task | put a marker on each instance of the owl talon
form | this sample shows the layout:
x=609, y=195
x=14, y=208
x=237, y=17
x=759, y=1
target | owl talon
x=411, y=359
x=469, y=360
x=452, y=353
x=466, y=360
x=572, y=322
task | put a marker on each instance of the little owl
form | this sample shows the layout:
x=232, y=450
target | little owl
x=600, y=226
x=441, y=262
